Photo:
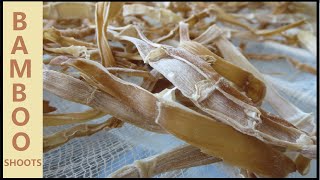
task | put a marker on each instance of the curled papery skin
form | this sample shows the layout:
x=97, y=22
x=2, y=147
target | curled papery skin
x=211, y=93
x=245, y=81
x=286, y=109
x=178, y=158
x=210, y=136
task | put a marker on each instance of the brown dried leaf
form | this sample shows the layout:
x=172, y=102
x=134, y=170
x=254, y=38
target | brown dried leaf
x=71, y=118
x=178, y=158
x=105, y=11
x=63, y=137
x=54, y=35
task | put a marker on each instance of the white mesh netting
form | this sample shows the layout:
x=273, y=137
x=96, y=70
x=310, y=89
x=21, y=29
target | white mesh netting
x=106, y=151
